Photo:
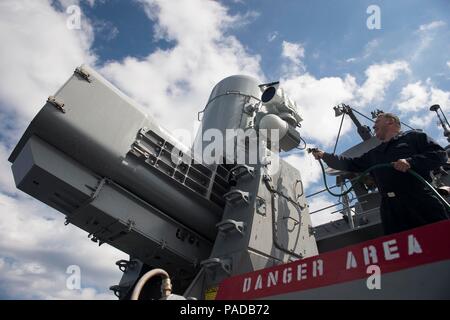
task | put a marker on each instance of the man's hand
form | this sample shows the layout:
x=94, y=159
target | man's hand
x=318, y=154
x=401, y=165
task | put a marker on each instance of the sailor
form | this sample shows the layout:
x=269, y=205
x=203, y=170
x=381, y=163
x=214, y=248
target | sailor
x=406, y=203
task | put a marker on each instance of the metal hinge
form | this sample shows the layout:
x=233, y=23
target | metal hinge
x=240, y=171
x=235, y=196
x=118, y=290
x=95, y=239
x=231, y=225
x=83, y=73
x=58, y=104
x=212, y=263
x=124, y=265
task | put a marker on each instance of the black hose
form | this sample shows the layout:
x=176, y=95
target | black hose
x=384, y=165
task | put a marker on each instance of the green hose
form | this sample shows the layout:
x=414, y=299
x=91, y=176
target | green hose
x=384, y=165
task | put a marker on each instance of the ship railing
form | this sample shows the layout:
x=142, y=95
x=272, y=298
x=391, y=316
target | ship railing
x=349, y=205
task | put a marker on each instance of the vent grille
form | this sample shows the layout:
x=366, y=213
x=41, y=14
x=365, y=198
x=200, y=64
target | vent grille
x=155, y=152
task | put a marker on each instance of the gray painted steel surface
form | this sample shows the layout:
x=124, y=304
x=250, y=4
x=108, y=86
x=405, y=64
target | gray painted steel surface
x=98, y=129
x=423, y=282
x=109, y=213
x=228, y=107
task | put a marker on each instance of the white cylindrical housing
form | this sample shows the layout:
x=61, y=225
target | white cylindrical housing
x=273, y=122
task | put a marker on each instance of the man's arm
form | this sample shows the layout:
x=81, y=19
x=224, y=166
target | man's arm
x=357, y=164
x=431, y=155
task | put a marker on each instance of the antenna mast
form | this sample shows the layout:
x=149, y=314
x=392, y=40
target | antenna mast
x=445, y=125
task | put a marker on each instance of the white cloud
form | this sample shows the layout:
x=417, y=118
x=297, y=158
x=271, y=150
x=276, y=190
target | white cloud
x=413, y=97
x=442, y=141
x=40, y=54
x=432, y=25
x=426, y=33
x=293, y=52
x=175, y=20
x=448, y=64
x=272, y=36
x=180, y=79
x=379, y=77
x=30, y=280
x=368, y=50
x=91, y=2
x=40, y=249
x=371, y=47
x=67, y=3
x=308, y=92
x=6, y=177
x=421, y=121
x=105, y=29
x=323, y=216
x=309, y=168
x=241, y=20
x=416, y=98
x=440, y=97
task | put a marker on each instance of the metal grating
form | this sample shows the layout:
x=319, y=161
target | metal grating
x=209, y=182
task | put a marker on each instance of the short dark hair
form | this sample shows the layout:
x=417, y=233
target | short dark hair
x=392, y=117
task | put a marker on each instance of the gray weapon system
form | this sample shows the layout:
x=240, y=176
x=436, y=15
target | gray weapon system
x=94, y=155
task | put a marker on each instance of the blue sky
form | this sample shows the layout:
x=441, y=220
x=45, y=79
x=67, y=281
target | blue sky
x=167, y=55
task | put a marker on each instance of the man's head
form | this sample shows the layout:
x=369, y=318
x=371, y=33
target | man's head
x=386, y=126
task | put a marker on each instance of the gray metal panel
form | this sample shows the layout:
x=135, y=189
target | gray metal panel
x=108, y=212
x=349, y=237
x=293, y=222
x=31, y=174
x=277, y=231
x=225, y=107
x=98, y=128
x=97, y=117
x=424, y=282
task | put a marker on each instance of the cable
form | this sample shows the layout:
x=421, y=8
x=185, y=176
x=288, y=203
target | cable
x=304, y=143
x=362, y=115
x=225, y=94
x=374, y=121
x=445, y=118
x=166, y=287
x=378, y=166
x=339, y=133
x=273, y=191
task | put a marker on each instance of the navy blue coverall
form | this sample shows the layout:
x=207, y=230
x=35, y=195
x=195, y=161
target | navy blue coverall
x=406, y=203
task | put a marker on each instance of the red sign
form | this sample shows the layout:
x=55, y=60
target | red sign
x=427, y=244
